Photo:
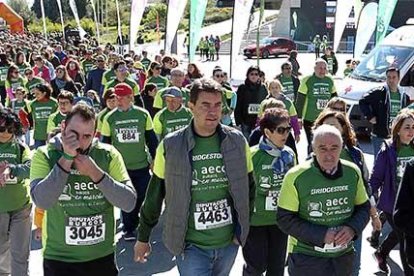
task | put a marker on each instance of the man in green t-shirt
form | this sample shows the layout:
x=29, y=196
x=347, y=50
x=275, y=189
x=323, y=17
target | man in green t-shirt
x=129, y=129
x=88, y=63
x=15, y=205
x=204, y=172
x=323, y=207
x=173, y=117
x=78, y=181
x=313, y=95
x=65, y=103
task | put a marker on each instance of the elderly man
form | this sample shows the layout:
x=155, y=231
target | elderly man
x=313, y=95
x=78, y=181
x=323, y=207
x=204, y=172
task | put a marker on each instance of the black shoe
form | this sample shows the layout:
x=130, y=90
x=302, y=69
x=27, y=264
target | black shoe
x=130, y=236
x=374, y=242
x=382, y=262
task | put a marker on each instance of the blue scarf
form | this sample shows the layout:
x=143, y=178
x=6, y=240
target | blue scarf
x=284, y=159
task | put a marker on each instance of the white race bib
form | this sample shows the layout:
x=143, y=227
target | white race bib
x=331, y=248
x=253, y=109
x=212, y=215
x=321, y=104
x=10, y=179
x=271, y=201
x=128, y=135
x=85, y=230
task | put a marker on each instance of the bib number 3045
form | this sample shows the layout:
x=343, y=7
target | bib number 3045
x=212, y=215
x=85, y=230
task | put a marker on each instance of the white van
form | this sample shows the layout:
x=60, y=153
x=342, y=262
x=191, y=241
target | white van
x=397, y=49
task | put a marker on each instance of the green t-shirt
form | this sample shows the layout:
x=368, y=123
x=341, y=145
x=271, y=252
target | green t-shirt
x=395, y=107
x=99, y=118
x=80, y=227
x=54, y=121
x=268, y=184
x=87, y=66
x=15, y=194
x=32, y=84
x=3, y=74
x=40, y=113
x=287, y=83
x=166, y=121
x=129, y=81
x=22, y=67
x=160, y=81
x=127, y=133
x=317, y=92
x=16, y=105
x=146, y=63
x=160, y=103
x=107, y=76
x=210, y=223
x=322, y=201
x=348, y=71
x=405, y=153
x=14, y=84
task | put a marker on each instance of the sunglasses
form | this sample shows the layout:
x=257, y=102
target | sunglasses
x=28, y=74
x=283, y=130
x=219, y=76
x=101, y=60
x=8, y=129
x=14, y=72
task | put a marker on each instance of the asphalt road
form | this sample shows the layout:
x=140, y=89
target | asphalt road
x=162, y=263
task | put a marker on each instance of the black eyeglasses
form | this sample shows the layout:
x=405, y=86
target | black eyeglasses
x=9, y=129
x=283, y=130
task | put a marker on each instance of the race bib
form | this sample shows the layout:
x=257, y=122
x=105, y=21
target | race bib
x=331, y=248
x=10, y=179
x=128, y=135
x=321, y=104
x=253, y=109
x=85, y=230
x=212, y=215
x=271, y=201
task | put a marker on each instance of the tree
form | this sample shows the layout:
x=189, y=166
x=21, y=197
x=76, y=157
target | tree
x=52, y=10
x=22, y=9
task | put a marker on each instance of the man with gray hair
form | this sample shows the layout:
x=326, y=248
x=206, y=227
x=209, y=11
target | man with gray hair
x=177, y=80
x=323, y=207
x=313, y=95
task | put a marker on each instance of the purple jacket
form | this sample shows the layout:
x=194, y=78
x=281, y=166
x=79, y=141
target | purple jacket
x=384, y=175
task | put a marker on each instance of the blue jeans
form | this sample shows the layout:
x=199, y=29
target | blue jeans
x=376, y=144
x=39, y=143
x=207, y=262
x=357, y=258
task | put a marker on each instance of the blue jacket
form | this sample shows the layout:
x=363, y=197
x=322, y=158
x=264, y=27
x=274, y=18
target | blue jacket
x=384, y=176
x=94, y=81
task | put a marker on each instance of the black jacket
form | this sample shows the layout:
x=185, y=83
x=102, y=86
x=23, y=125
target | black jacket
x=376, y=103
x=247, y=94
x=335, y=63
x=69, y=86
x=404, y=211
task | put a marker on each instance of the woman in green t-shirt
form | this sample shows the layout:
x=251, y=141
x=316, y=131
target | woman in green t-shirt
x=15, y=206
x=154, y=76
x=13, y=81
x=265, y=249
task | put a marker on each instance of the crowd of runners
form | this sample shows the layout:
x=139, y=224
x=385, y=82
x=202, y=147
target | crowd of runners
x=84, y=129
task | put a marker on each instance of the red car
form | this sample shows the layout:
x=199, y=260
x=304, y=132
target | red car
x=271, y=46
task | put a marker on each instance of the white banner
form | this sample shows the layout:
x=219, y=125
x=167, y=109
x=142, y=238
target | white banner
x=59, y=3
x=366, y=28
x=119, y=23
x=42, y=9
x=96, y=21
x=343, y=9
x=74, y=9
x=241, y=17
x=175, y=12
x=357, y=11
x=137, y=10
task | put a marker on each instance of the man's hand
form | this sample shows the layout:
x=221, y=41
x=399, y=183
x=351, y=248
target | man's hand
x=373, y=120
x=297, y=138
x=376, y=223
x=86, y=166
x=141, y=251
x=70, y=143
x=344, y=236
x=329, y=236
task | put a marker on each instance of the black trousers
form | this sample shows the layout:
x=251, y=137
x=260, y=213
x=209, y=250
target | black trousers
x=300, y=265
x=265, y=251
x=393, y=238
x=140, y=179
x=308, y=125
x=104, y=266
x=3, y=95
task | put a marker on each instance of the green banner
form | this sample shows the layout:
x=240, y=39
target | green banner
x=197, y=12
x=385, y=12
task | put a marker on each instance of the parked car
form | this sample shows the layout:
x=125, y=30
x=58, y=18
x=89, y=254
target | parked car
x=397, y=50
x=271, y=46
